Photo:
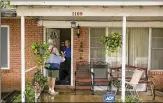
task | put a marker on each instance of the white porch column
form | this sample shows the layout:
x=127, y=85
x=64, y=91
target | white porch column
x=149, y=48
x=123, y=58
x=22, y=58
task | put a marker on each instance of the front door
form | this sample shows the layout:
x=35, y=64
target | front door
x=61, y=35
x=55, y=33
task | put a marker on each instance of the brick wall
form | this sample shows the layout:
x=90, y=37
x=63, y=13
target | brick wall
x=84, y=37
x=33, y=33
x=11, y=79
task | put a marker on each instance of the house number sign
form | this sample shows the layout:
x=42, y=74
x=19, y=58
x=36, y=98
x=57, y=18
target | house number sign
x=77, y=13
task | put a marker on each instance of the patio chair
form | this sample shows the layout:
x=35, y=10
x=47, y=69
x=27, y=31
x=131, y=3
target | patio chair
x=116, y=73
x=100, y=75
x=135, y=81
x=82, y=75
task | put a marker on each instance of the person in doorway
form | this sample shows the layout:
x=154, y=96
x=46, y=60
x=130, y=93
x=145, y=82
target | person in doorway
x=53, y=69
x=67, y=52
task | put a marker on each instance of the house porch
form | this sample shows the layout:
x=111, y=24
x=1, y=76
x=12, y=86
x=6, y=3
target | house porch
x=90, y=19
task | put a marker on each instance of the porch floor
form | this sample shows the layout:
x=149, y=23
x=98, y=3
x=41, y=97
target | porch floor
x=67, y=95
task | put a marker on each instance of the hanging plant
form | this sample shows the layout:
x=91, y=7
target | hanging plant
x=112, y=42
x=41, y=52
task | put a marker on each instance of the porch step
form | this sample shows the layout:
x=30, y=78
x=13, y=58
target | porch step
x=83, y=87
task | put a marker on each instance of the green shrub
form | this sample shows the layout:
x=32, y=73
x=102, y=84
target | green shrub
x=129, y=99
x=17, y=98
x=29, y=94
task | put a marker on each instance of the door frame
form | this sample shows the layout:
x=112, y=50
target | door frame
x=44, y=40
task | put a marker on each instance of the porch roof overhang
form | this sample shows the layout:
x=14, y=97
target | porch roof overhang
x=88, y=2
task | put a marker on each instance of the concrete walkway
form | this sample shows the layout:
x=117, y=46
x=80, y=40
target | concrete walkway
x=85, y=96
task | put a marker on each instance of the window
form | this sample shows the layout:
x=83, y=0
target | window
x=136, y=47
x=97, y=49
x=157, y=49
x=5, y=47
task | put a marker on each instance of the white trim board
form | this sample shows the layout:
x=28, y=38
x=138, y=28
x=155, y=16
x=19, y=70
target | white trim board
x=8, y=46
x=90, y=3
x=67, y=24
x=89, y=58
x=89, y=11
x=72, y=57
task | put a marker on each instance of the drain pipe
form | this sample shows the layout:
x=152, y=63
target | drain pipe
x=1, y=70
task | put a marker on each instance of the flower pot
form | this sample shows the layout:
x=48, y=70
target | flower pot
x=41, y=51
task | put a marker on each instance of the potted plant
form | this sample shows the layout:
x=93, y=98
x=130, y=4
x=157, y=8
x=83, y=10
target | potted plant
x=112, y=42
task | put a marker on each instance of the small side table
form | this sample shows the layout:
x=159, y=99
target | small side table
x=156, y=84
x=151, y=84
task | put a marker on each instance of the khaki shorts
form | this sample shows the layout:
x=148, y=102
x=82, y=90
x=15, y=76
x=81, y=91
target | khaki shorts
x=53, y=73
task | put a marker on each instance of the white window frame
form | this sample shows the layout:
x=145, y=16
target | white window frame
x=150, y=39
x=8, y=46
x=104, y=27
x=149, y=44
